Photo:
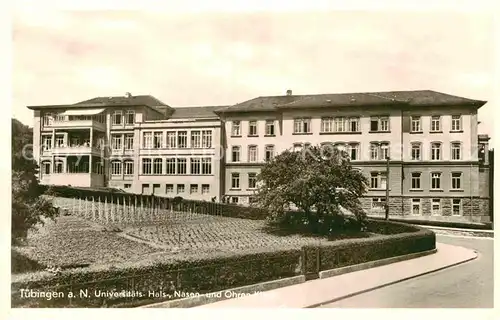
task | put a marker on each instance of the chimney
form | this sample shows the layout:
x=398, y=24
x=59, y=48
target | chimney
x=289, y=92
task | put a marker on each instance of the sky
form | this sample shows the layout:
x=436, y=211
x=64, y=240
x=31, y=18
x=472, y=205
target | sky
x=222, y=58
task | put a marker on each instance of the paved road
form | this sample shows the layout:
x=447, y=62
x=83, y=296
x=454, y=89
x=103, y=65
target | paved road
x=469, y=285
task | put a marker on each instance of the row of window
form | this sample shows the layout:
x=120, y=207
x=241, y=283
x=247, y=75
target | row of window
x=345, y=124
x=177, y=139
x=236, y=200
x=198, y=166
x=120, y=117
x=378, y=180
x=378, y=204
x=378, y=151
x=270, y=129
x=252, y=180
x=179, y=189
x=436, y=177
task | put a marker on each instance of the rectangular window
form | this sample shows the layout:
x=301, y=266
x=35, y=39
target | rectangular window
x=180, y=188
x=416, y=124
x=354, y=124
x=252, y=153
x=435, y=151
x=378, y=180
x=252, y=180
x=252, y=128
x=269, y=154
x=415, y=180
x=169, y=188
x=235, y=180
x=156, y=188
x=206, y=138
x=205, y=188
x=158, y=140
x=206, y=166
x=235, y=154
x=270, y=128
x=171, y=140
x=415, y=207
x=46, y=143
x=59, y=141
x=353, y=151
x=378, y=204
x=416, y=151
x=435, y=123
x=302, y=125
x=58, y=167
x=456, y=180
x=195, y=139
x=456, y=123
x=128, y=167
x=147, y=140
x=339, y=123
x=158, y=166
x=436, y=206
x=456, y=207
x=327, y=125
x=436, y=180
x=236, y=129
x=182, y=139
x=127, y=186
x=195, y=165
x=46, y=168
x=47, y=119
x=456, y=151
x=193, y=188
x=129, y=142
x=170, y=165
x=374, y=151
x=130, y=117
x=116, y=168
x=234, y=200
x=146, y=166
x=379, y=124
x=181, y=166
x=117, y=118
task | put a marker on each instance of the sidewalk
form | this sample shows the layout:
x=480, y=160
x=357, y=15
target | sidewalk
x=316, y=292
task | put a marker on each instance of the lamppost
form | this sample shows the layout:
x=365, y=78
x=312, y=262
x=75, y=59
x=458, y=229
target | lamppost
x=387, y=159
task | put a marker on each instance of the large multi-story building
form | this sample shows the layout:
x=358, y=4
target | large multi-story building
x=438, y=164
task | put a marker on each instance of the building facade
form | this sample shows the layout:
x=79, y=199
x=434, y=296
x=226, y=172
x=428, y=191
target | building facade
x=423, y=145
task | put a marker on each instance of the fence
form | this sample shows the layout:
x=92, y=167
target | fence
x=130, y=210
x=116, y=207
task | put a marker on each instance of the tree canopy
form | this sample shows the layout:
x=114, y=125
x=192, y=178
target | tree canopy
x=28, y=207
x=317, y=184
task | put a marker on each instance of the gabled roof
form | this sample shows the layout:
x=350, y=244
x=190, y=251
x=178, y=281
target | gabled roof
x=361, y=99
x=195, y=112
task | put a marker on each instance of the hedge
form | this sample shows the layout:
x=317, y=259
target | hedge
x=21, y=263
x=184, y=205
x=214, y=274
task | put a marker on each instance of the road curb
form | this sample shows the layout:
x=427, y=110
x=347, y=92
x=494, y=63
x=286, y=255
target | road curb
x=372, y=264
x=222, y=295
x=393, y=282
x=476, y=231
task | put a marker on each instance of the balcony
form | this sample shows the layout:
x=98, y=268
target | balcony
x=76, y=150
x=73, y=179
x=77, y=118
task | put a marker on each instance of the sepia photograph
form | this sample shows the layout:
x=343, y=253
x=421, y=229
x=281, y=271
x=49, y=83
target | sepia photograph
x=252, y=156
